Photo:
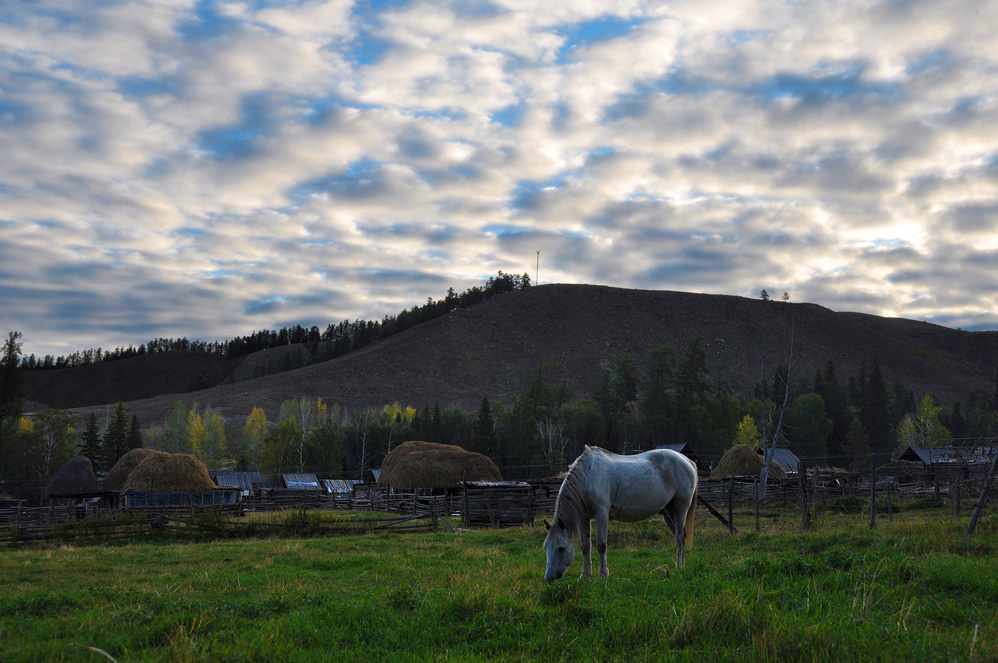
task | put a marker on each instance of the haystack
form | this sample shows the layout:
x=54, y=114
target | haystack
x=116, y=478
x=74, y=479
x=427, y=465
x=170, y=473
x=742, y=460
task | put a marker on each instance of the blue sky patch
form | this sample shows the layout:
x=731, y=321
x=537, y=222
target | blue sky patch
x=240, y=140
x=510, y=116
x=587, y=33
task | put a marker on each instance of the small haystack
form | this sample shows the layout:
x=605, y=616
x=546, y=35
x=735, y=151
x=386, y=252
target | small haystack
x=170, y=473
x=116, y=478
x=742, y=460
x=74, y=479
x=416, y=464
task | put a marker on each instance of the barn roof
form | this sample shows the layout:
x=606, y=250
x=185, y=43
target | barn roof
x=785, y=458
x=302, y=481
x=943, y=455
x=241, y=480
x=339, y=486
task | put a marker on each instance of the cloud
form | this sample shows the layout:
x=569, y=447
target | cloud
x=207, y=169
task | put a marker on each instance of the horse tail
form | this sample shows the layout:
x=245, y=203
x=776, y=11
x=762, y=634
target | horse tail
x=689, y=517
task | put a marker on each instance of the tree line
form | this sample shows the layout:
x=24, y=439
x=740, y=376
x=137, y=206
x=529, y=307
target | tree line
x=336, y=339
x=667, y=397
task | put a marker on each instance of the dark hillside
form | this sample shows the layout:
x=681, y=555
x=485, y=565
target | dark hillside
x=494, y=348
x=126, y=379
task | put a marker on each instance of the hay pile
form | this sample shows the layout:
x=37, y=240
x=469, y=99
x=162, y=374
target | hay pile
x=116, y=478
x=169, y=473
x=427, y=465
x=742, y=460
x=74, y=479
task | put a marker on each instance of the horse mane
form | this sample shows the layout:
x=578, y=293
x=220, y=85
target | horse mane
x=571, y=497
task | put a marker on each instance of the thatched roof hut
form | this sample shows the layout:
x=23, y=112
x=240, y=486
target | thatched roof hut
x=417, y=464
x=742, y=460
x=74, y=479
x=116, y=478
x=170, y=473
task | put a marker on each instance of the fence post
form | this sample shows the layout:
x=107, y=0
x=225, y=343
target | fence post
x=802, y=481
x=464, y=511
x=873, y=493
x=984, y=494
x=890, y=508
x=755, y=499
x=955, y=491
x=731, y=506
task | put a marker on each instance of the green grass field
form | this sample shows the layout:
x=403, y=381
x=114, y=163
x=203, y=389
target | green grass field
x=916, y=590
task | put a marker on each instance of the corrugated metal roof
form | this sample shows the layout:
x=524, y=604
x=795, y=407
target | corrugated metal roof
x=942, y=455
x=303, y=481
x=241, y=480
x=785, y=458
x=339, y=486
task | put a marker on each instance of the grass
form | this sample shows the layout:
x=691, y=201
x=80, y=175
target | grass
x=914, y=590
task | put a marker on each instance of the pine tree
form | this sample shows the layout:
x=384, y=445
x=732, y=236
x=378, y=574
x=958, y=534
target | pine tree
x=486, y=441
x=10, y=377
x=875, y=416
x=857, y=446
x=657, y=403
x=116, y=440
x=135, y=434
x=91, y=444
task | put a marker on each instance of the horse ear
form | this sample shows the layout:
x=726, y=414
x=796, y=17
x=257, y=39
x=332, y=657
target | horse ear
x=561, y=524
x=547, y=526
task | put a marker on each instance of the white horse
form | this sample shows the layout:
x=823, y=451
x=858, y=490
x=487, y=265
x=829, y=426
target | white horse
x=605, y=486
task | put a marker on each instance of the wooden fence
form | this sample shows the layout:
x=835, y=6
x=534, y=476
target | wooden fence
x=498, y=505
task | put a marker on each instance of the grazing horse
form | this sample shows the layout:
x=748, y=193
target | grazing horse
x=605, y=486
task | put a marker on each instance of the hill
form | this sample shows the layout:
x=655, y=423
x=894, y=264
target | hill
x=493, y=349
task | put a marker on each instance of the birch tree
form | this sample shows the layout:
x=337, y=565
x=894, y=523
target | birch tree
x=769, y=447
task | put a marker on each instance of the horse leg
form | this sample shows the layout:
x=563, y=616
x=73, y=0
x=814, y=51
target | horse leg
x=586, y=542
x=678, y=515
x=602, y=522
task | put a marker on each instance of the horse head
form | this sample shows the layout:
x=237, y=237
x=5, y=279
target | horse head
x=559, y=549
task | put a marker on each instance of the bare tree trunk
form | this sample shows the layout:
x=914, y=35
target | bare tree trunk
x=769, y=449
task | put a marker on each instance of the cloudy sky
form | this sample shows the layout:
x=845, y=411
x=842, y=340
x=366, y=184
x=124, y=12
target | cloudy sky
x=172, y=168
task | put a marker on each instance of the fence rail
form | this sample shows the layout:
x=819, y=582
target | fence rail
x=474, y=505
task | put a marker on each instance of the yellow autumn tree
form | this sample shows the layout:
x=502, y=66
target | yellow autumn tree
x=394, y=412
x=255, y=433
x=747, y=433
x=197, y=433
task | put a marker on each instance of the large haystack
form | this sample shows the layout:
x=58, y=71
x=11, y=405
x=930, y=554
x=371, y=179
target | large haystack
x=74, y=479
x=170, y=473
x=427, y=465
x=116, y=478
x=742, y=460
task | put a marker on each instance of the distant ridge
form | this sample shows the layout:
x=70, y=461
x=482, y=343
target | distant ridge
x=492, y=349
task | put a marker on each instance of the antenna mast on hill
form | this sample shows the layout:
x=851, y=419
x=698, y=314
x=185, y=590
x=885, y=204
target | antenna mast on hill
x=537, y=269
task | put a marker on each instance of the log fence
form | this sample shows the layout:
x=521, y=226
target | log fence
x=889, y=487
